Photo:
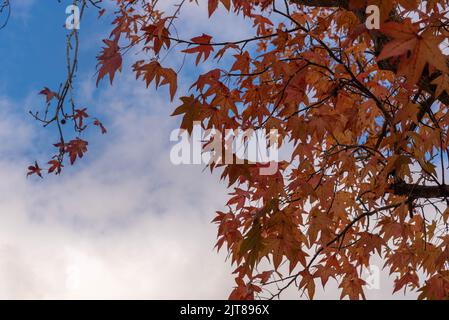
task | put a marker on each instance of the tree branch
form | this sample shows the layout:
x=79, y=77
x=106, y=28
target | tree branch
x=417, y=191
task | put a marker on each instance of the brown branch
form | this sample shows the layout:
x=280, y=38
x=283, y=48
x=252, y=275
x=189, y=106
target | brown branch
x=5, y=6
x=417, y=191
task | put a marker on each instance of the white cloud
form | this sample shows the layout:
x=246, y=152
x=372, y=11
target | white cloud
x=128, y=225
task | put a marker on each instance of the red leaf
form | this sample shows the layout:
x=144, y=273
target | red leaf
x=161, y=76
x=76, y=148
x=79, y=115
x=48, y=93
x=110, y=60
x=203, y=48
x=99, y=124
x=212, y=6
x=101, y=12
x=56, y=166
x=34, y=170
x=408, y=278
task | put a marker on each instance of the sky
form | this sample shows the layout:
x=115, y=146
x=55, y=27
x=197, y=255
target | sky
x=123, y=223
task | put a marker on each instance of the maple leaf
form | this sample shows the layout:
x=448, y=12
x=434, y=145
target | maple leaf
x=351, y=286
x=213, y=5
x=80, y=115
x=422, y=49
x=100, y=125
x=445, y=215
x=34, y=170
x=220, y=53
x=153, y=71
x=307, y=282
x=262, y=23
x=406, y=279
x=49, y=94
x=170, y=78
x=404, y=38
x=159, y=34
x=203, y=47
x=442, y=83
x=110, y=60
x=242, y=62
x=76, y=148
x=56, y=166
x=191, y=109
x=264, y=276
x=437, y=287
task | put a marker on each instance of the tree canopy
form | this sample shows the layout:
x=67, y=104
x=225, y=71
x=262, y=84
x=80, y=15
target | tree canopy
x=365, y=112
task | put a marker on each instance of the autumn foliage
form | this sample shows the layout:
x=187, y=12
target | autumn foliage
x=364, y=111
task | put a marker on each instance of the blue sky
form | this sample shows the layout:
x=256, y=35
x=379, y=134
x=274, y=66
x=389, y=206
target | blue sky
x=33, y=44
x=33, y=53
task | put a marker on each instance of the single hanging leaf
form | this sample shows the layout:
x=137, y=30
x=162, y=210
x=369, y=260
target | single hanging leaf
x=34, y=170
x=203, y=47
x=110, y=61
